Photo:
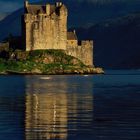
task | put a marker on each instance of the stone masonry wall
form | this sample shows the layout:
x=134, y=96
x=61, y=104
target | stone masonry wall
x=44, y=31
x=72, y=43
x=83, y=52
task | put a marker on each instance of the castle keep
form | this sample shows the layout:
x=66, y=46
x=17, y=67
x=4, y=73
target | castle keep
x=45, y=27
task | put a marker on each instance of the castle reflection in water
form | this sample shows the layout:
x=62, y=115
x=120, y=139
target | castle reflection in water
x=57, y=110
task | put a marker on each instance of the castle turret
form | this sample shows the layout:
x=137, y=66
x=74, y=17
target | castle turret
x=63, y=10
x=58, y=4
x=63, y=26
x=48, y=8
x=26, y=3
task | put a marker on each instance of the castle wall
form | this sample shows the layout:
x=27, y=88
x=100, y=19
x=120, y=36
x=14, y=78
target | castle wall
x=83, y=52
x=28, y=32
x=62, y=29
x=45, y=31
x=73, y=43
x=4, y=46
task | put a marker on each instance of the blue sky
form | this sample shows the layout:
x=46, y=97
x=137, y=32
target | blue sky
x=11, y=5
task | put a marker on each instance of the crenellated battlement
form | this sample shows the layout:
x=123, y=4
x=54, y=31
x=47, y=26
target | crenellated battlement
x=58, y=8
x=86, y=43
x=83, y=50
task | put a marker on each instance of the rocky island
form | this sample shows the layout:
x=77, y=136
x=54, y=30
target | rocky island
x=47, y=45
x=43, y=62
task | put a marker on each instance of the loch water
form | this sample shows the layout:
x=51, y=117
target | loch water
x=71, y=107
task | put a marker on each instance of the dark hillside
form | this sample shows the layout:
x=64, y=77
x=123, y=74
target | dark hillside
x=117, y=42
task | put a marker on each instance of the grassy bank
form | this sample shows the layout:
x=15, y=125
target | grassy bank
x=42, y=62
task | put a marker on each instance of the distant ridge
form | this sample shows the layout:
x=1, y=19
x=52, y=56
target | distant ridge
x=11, y=24
x=116, y=42
x=116, y=39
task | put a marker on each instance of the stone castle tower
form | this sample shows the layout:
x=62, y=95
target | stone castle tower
x=45, y=27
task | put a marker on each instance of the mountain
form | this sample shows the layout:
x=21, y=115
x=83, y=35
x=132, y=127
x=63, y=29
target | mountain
x=116, y=42
x=11, y=24
x=87, y=12
x=116, y=39
x=80, y=13
x=3, y=15
x=83, y=13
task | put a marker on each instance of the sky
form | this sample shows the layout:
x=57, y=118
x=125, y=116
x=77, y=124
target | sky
x=8, y=6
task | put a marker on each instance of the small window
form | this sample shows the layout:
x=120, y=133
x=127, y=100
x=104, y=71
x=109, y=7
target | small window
x=36, y=26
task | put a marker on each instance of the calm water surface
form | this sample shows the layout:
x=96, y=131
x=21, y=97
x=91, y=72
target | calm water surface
x=103, y=107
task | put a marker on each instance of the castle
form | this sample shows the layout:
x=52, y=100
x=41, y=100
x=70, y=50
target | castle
x=45, y=27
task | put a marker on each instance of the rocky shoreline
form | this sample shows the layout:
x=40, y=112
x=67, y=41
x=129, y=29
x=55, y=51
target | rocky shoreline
x=44, y=62
x=57, y=72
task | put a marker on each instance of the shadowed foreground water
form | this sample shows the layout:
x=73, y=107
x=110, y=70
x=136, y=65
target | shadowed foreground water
x=103, y=107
